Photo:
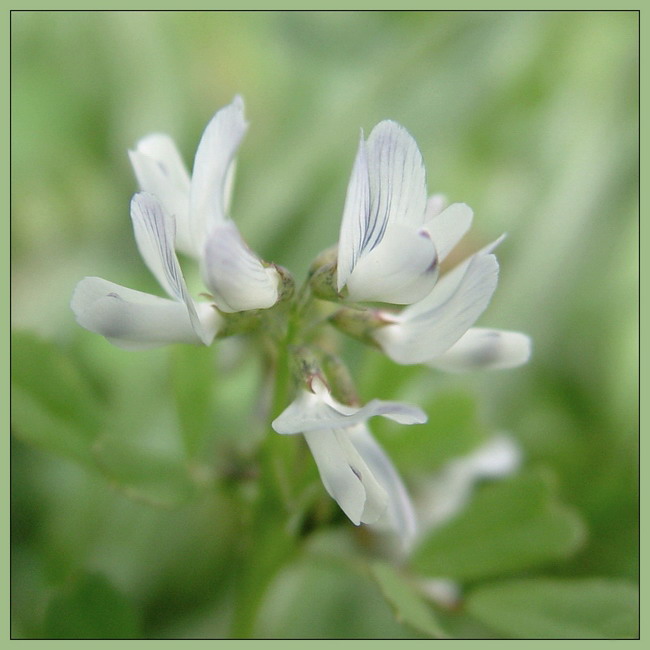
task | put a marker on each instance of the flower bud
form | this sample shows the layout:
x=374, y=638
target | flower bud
x=359, y=323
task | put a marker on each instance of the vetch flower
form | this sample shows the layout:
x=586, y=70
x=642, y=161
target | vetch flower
x=392, y=239
x=437, y=330
x=444, y=495
x=136, y=320
x=237, y=279
x=353, y=467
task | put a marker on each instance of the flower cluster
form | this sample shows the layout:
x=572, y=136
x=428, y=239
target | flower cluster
x=392, y=241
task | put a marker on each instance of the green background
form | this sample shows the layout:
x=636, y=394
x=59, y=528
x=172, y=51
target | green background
x=128, y=490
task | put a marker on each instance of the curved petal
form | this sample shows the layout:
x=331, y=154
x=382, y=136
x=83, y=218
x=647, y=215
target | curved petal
x=485, y=349
x=160, y=171
x=446, y=286
x=236, y=277
x=436, y=203
x=154, y=235
x=212, y=171
x=355, y=215
x=402, y=269
x=309, y=412
x=387, y=187
x=400, y=512
x=448, y=227
x=422, y=336
x=131, y=319
x=338, y=477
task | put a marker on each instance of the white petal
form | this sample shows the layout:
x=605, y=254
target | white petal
x=402, y=269
x=422, y=336
x=447, y=285
x=236, y=277
x=485, y=349
x=387, y=187
x=131, y=319
x=212, y=171
x=436, y=203
x=309, y=412
x=355, y=215
x=339, y=479
x=400, y=511
x=448, y=493
x=448, y=227
x=160, y=171
x=154, y=234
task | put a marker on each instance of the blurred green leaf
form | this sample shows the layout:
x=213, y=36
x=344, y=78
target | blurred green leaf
x=193, y=374
x=451, y=431
x=509, y=526
x=407, y=604
x=549, y=608
x=90, y=607
x=147, y=475
x=53, y=404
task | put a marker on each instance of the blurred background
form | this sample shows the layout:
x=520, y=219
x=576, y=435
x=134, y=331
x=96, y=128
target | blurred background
x=129, y=490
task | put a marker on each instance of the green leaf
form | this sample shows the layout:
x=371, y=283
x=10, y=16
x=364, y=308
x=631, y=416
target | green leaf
x=509, y=526
x=147, y=475
x=408, y=605
x=193, y=374
x=90, y=607
x=451, y=431
x=53, y=404
x=552, y=608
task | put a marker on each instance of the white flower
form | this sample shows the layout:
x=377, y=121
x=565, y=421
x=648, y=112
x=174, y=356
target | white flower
x=135, y=320
x=436, y=330
x=353, y=467
x=447, y=493
x=391, y=240
x=234, y=275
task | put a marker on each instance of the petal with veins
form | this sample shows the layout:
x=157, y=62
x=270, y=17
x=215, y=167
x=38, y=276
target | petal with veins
x=160, y=171
x=387, y=187
x=403, y=268
x=154, y=234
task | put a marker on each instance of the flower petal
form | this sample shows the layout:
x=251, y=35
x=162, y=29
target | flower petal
x=236, y=277
x=423, y=333
x=355, y=215
x=400, y=512
x=448, y=227
x=309, y=412
x=387, y=187
x=133, y=319
x=402, y=269
x=447, y=285
x=160, y=171
x=212, y=171
x=338, y=477
x=154, y=235
x=485, y=349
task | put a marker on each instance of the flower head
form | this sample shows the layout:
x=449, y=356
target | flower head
x=237, y=279
x=136, y=320
x=389, y=250
x=188, y=214
x=353, y=467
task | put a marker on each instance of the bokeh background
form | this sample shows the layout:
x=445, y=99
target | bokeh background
x=529, y=117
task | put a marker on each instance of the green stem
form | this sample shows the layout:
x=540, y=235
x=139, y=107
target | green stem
x=267, y=543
